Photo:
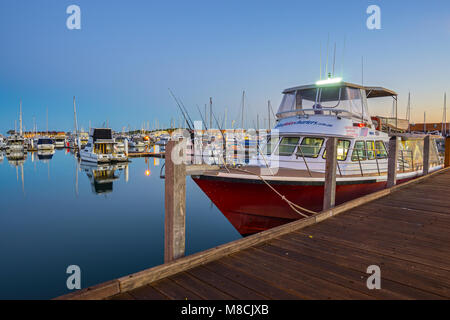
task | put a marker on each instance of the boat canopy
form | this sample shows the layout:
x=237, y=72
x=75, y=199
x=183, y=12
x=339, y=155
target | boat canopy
x=342, y=98
x=101, y=134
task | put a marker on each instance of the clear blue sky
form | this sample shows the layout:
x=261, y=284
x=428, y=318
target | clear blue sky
x=128, y=53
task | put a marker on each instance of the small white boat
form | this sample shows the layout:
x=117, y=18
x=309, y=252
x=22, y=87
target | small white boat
x=101, y=148
x=2, y=143
x=60, y=141
x=15, y=144
x=45, y=144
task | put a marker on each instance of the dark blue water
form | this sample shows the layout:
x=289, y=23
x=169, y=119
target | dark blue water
x=51, y=219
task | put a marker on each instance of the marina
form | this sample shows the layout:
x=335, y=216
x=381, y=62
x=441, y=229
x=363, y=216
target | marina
x=223, y=151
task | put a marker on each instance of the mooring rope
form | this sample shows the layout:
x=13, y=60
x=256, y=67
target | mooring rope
x=291, y=204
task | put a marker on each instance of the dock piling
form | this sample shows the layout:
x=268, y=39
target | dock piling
x=392, y=162
x=447, y=152
x=329, y=196
x=175, y=207
x=426, y=155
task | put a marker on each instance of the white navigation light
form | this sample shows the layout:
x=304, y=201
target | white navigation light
x=328, y=81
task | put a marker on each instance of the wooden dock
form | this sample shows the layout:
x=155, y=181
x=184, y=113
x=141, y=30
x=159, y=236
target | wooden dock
x=146, y=154
x=404, y=230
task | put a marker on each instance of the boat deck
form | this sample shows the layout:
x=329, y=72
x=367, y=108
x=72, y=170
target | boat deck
x=405, y=233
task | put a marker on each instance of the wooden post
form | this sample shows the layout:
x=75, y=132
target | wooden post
x=392, y=162
x=447, y=152
x=426, y=155
x=329, y=195
x=175, y=207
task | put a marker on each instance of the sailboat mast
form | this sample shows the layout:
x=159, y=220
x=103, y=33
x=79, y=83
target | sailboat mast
x=75, y=117
x=210, y=113
x=20, y=119
x=424, y=122
x=444, y=116
x=243, y=102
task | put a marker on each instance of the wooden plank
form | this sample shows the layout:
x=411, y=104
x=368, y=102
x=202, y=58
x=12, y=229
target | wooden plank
x=276, y=279
x=199, y=287
x=328, y=289
x=98, y=292
x=378, y=238
x=323, y=247
x=326, y=270
x=396, y=278
x=346, y=274
x=231, y=288
x=174, y=291
x=122, y=296
x=249, y=281
x=147, y=293
x=375, y=246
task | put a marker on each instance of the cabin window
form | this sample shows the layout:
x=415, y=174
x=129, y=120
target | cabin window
x=288, y=145
x=342, y=150
x=370, y=148
x=359, y=151
x=310, y=147
x=103, y=148
x=270, y=146
x=380, y=149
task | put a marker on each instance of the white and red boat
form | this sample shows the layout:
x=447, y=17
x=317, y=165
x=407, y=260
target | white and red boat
x=293, y=159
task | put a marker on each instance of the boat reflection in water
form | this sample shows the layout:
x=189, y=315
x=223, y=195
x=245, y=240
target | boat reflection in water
x=45, y=155
x=102, y=176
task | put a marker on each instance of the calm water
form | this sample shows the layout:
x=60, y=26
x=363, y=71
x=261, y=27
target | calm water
x=57, y=214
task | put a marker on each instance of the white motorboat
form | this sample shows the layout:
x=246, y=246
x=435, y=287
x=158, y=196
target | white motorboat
x=45, y=144
x=15, y=144
x=293, y=158
x=101, y=148
x=60, y=141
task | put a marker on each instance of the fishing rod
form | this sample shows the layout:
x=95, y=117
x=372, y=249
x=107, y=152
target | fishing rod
x=201, y=116
x=187, y=113
x=181, y=109
x=224, y=141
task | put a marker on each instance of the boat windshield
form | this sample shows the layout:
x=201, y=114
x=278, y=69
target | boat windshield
x=347, y=101
x=45, y=141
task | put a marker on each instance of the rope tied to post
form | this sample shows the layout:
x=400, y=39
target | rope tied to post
x=298, y=209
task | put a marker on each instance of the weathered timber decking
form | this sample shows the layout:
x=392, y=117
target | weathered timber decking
x=404, y=230
x=405, y=233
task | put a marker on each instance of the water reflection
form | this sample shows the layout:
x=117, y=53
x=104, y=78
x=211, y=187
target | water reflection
x=102, y=176
x=45, y=155
x=65, y=220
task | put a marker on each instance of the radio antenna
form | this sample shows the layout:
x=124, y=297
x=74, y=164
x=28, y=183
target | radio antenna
x=320, y=63
x=334, y=57
x=326, y=66
x=343, y=56
x=362, y=70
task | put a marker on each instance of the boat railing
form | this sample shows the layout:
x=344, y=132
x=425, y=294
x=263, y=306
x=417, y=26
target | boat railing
x=317, y=111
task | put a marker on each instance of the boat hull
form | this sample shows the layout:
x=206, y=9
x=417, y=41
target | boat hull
x=251, y=206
